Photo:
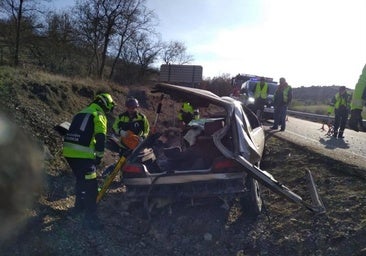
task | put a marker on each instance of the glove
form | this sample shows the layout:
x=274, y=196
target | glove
x=122, y=133
x=355, y=119
x=97, y=160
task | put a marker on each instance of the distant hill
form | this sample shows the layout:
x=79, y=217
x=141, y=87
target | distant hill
x=315, y=94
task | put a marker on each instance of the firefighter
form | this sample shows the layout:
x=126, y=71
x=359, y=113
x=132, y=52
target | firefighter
x=129, y=123
x=357, y=102
x=340, y=104
x=83, y=149
x=187, y=113
x=260, y=96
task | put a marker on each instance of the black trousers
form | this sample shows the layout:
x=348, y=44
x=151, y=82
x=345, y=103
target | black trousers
x=340, y=120
x=86, y=190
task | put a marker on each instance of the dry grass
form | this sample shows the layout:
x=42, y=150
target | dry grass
x=315, y=109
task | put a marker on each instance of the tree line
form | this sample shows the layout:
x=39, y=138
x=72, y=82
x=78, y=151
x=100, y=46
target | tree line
x=105, y=39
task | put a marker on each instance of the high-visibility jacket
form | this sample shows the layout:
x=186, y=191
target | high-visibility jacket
x=186, y=108
x=338, y=101
x=187, y=113
x=261, y=91
x=282, y=95
x=359, y=95
x=86, y=135
x=138, y=124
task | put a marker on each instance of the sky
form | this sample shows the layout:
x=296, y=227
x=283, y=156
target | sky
x=309, y=42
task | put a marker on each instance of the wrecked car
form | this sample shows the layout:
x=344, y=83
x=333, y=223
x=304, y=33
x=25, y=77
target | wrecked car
x=223, y=161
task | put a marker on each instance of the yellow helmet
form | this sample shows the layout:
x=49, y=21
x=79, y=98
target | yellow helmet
x=106, y=101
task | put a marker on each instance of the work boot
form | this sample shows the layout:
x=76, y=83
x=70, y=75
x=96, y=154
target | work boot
x=340, y=135
x=91, y=219
x=79, y=205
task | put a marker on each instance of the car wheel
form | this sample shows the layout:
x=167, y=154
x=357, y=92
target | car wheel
x=252, y=201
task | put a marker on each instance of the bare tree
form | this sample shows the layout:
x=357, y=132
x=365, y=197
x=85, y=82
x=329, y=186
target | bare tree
x=112, y=11
x=220, y=85
x=136, y=19
x=17, y=11
x=144, y=51
x=87, y=20
x=174, y=52
x=62, y=53
x=102, y=22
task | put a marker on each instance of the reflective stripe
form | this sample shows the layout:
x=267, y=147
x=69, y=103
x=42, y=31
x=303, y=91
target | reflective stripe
x=78, y=147
x=90, y=176
x=85, y=122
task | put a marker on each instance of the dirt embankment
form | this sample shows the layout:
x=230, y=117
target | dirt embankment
x=184, y=228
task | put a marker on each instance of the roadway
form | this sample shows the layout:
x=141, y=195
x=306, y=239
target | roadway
x=351, y=149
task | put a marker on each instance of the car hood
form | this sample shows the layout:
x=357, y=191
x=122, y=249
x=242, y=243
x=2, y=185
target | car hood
x=248, y=142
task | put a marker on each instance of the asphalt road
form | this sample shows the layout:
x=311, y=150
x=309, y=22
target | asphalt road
x=351, y=149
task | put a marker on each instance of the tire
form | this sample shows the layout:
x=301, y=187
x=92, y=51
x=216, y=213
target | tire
x=252, y=201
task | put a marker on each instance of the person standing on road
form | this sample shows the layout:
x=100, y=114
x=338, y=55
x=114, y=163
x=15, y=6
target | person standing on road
x=340, y=104
x=281, y=100
x=131, y=122
x=260, y=96
x=357, y=102
x=83, y=149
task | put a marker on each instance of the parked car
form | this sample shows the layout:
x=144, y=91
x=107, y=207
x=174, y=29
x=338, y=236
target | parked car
x=223, y=162
x=247, y=91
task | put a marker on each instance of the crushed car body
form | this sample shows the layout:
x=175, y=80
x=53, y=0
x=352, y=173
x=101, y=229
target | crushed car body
x=223, y=161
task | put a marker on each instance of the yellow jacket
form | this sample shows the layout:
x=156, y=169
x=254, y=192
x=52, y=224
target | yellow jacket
x=359, y=95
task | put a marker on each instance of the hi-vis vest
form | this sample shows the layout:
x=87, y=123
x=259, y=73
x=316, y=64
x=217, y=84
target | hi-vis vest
x=359, y=95
x=285, y=94
x=138, y=124
x=79, y=142
x=261, y=92
x=281, y=96
x=188, y=113
x=186, y=108
x=339, y=100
